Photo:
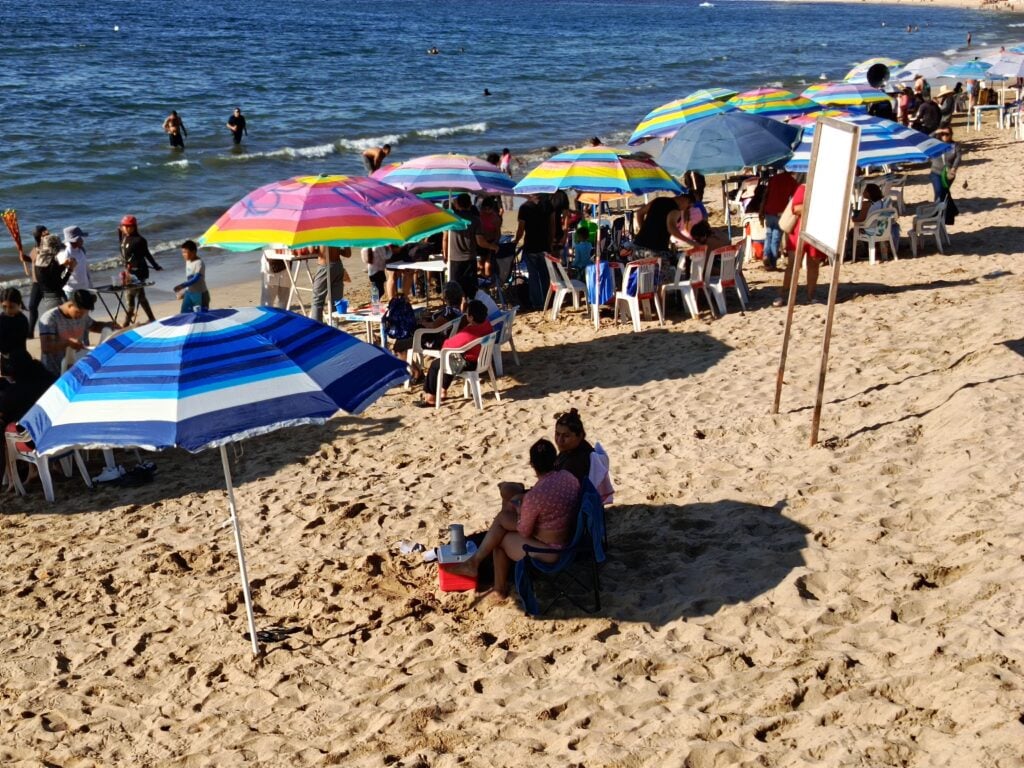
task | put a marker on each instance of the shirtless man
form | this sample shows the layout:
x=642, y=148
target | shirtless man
x=373, y=157
x=175, y=130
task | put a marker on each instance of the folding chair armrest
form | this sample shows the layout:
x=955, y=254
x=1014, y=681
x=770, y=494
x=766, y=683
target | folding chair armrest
x=532, y=550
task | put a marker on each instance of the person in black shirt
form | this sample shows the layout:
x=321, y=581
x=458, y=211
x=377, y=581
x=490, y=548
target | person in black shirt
x=929, y=116
x=236, y=124
x=135, y=255
x=51, y=275
x=14, y=328
x=573, y=449
x=536, y=232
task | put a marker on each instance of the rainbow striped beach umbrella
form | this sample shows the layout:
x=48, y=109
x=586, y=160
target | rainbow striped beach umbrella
x=453, y=173
x=882, y=142
x=598, y=169
x=772, y=102
x=859, y=74
x=812, y=117
x=327, y=210
x=663, y=122
x=845, y=94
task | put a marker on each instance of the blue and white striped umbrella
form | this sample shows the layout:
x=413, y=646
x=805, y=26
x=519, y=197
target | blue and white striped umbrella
x=207, y=379
x=201, y=380
x=973, y=69
x=882, y=142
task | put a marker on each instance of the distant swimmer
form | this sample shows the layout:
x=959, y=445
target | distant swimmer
x=236, y=124
x=505, y=161
x=373, y=157
x=486, y=92
x=175, y=129
x=595, y=142
x=433, y=51
x=968, y=39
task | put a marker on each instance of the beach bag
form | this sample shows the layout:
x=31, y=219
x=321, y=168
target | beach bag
x=400, y=318
x=951, y=209
x=788, y=220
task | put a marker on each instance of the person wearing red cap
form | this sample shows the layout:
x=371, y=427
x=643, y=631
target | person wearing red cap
x=135, y=255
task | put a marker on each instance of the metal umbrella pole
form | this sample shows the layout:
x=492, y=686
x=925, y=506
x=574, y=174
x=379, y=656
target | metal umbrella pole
x=240, y=551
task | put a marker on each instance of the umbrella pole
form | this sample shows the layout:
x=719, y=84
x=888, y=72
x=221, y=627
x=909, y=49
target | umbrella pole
x=595, y=307
x=240, y=551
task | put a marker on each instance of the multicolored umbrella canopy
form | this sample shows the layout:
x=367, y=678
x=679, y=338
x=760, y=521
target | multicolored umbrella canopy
x=455, y=173
x=859, y=74
x=845, y=94
x=664, y=121
x=598, y=169
x=730, y=142
x=327, y=210
x=205, y=379
x=972, y=69
x=772, y=102
x=812, y=117
x=882, y=142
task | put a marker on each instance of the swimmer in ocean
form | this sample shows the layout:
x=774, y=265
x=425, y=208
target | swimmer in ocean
x=175, y=129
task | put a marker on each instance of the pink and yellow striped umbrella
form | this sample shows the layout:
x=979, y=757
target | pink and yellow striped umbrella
x=327, y=210
x=812, y=117
x=845, y=94
x=772, y=102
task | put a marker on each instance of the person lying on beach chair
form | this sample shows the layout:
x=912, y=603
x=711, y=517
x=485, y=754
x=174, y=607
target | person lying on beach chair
x=542, y=517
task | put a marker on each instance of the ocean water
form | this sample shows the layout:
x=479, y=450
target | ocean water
x=85, y=87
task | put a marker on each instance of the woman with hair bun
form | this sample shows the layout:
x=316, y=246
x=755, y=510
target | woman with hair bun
x=573, y=449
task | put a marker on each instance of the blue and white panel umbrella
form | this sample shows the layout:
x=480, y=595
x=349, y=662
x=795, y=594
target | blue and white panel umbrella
x=882, y=142
x=207, y=379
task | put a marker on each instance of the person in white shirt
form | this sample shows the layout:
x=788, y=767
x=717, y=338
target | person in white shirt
x=74, y=248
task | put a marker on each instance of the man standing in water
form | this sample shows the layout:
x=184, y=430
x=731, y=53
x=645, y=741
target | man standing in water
x=373, y=158
x=175, y=130
x=236, y=124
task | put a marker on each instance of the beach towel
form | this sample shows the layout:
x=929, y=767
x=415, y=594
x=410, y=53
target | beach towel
x=600, y=474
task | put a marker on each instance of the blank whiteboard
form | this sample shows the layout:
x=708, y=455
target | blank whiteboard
x=832, y=170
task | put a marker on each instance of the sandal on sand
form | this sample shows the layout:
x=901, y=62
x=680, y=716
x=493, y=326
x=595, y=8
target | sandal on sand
x=778, y=302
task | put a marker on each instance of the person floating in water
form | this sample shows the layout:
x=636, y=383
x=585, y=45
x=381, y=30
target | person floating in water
x=486, y=92
x=175, y=129
x=373, y=157
x=433, y=51
x=236, y=124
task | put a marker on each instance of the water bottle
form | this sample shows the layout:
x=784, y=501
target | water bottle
x=457, y=539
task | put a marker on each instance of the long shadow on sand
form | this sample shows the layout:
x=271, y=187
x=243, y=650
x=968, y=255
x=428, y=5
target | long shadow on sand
x=180, y=473
x=655, y=354
x=988, y=241
x=671, y=561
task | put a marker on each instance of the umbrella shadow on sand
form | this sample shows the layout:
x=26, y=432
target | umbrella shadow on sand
x=670, y=561
x=181, y=473
x=597, y=363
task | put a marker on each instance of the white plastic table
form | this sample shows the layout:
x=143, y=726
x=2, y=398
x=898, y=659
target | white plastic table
x=433, y=265
x=368, y=317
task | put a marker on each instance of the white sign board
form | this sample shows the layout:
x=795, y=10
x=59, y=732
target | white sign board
x=833, y=166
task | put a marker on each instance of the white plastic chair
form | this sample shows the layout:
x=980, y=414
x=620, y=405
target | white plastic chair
x=41, y=463
x=726, y=277
x=874, y=230
x=417, y=352
x=471, y=379
x=696, y=280
x=929, y=219
x=645, y=292
x=893, y=189
x=561, y=286
x=506, y=320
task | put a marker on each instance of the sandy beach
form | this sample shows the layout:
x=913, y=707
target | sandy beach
x=765, y=603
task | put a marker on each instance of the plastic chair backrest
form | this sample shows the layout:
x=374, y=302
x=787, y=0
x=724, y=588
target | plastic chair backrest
x=646, y=278
x=727, y=269
x=931, y=211
x=698, y=262
x=563, y=274
x=555, y=273
x=505, y=331
x=879, y=223
x=486, y=352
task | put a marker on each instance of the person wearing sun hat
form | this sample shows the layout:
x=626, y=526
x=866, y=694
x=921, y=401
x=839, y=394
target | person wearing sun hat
x=137, y=260
x=74, y=249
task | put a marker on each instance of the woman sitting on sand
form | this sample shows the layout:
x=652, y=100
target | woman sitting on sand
x=542, y=517
x=573, y=449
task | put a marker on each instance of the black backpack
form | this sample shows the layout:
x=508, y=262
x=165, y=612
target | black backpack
x=399, y=319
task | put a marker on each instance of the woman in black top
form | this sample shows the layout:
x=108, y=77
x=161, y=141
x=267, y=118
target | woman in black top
x=51, y=275
x=14, y=328
x=135, y=253
x=573, y=449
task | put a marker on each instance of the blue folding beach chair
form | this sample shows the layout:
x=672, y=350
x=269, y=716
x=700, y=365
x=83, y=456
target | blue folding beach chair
x=574, y=575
